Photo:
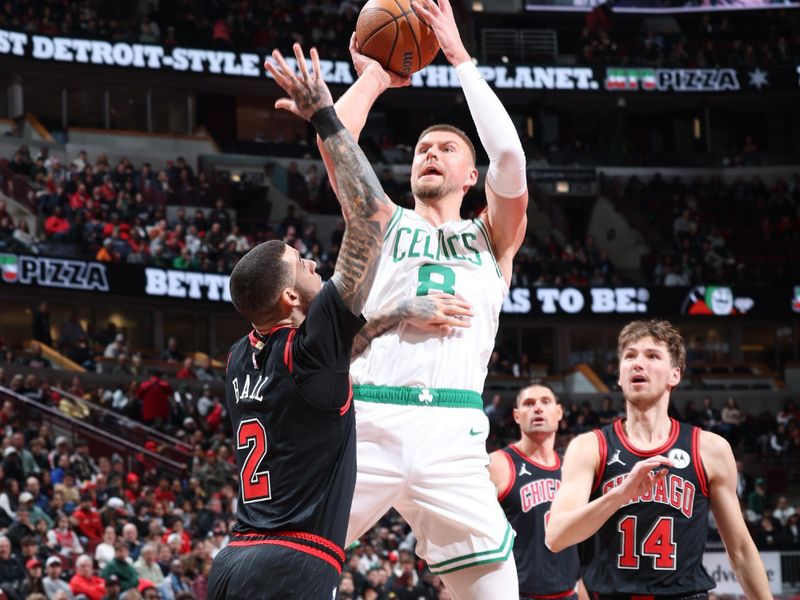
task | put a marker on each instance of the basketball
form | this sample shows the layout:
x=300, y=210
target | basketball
x=390, y=32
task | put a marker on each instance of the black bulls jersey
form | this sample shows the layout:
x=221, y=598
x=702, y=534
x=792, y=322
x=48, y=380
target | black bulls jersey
x=288, y=395
x=653, y=545
x=526, y=502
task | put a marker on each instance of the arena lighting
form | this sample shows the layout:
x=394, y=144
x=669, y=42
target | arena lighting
x=236, y=177
x=477, y=6
x=529, y=127
x=697, y=129
x=562, y=187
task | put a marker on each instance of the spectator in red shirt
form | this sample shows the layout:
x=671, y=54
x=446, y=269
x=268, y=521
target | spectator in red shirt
x=56, y=226
x=79, y=199
x=88, y=521
x=85, y=582
x=154, y=394
x=132, y=488
x=186, y=371
x=177, y=529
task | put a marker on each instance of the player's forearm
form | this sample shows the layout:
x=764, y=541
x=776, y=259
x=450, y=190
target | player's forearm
x=499, y=137
x=353, y=108
x=366, y=210
x=750, y=573
x=567, y=528
x=377, y=325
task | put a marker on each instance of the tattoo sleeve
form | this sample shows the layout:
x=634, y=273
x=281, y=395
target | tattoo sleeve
x=366, y=210
x=375, y=327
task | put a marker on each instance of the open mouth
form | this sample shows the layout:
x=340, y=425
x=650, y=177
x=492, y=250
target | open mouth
x=638, y=379
x=430, y=170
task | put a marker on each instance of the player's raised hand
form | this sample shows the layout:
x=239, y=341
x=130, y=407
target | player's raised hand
x=436, y=312
x=441, y=19
x=307, y=92
x=365, y=64
x=643, y=477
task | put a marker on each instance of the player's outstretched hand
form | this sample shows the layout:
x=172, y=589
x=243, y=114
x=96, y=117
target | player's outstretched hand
x=308, y=92
x=441, y=20
x=364, y=64
x=436, y=312
x=643, y=477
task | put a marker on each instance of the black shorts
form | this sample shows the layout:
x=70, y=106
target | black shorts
x=271, y=572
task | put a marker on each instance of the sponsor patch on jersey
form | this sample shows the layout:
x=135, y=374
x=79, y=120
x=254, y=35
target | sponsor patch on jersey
x=680, y=458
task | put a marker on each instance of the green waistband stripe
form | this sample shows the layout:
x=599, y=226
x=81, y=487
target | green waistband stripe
x=444, y=397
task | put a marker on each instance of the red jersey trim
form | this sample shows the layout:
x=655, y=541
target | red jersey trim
x=228, y=362
x=550, y=596
x=294, y=546
x=673, y=435
x=702, y=477
x=301, y=535
x=502, y=495
x=287, y=351
x=525, y=457
x=346, y=407
x=601, y=468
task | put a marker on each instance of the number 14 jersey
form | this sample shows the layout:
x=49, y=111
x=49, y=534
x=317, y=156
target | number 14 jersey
x=653, y=545
x=418, y=259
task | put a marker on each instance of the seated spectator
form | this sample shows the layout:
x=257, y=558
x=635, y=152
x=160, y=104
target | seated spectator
x=119, y=566
x=187, y=370
x=104, y=552
x=172, y=353
x=12, y=572
x=63, y=540
x=87, y=521
x=85, y=581
x=53, y=583
x=147, y=566
x=34, y=581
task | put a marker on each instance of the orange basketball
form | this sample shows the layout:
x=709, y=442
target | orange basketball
x=390, y=32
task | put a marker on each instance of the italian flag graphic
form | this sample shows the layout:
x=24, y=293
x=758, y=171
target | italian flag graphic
x=8, y=265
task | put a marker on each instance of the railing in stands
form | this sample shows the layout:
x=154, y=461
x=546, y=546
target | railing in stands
x=102, y=439
x=130, y=427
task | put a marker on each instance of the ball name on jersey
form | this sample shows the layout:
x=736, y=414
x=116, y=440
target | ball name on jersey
x=244, y=392
x=673, y=490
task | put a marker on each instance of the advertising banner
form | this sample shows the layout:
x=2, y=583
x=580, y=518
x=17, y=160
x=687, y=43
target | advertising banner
x=156, y=282
x=658, y=6
x=579, y=79
x=719, y=567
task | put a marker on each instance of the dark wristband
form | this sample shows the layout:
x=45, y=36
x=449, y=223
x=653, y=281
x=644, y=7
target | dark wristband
x=326, y=122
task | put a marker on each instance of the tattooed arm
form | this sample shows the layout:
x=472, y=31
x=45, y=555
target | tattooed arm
x=437, y=313
x=365, y=206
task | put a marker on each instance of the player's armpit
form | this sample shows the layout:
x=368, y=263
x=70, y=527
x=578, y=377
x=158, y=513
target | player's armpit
x=720, y=465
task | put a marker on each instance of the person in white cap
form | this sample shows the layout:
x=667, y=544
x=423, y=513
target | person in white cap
x=52, y=580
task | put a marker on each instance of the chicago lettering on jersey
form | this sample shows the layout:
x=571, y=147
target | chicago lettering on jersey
x=244, y=392
x=536, y=492
x=416, y=243
x=673, y=491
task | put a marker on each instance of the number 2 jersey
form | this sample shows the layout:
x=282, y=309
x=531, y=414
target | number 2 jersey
x=526, y=502
x=653, y=545
x=289, y=398
x=418, y=259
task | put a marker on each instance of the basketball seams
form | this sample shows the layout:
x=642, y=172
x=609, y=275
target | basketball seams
x=374, y=32
x=404, y=13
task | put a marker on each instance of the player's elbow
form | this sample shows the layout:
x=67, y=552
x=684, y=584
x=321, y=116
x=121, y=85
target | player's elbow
x=553, y=537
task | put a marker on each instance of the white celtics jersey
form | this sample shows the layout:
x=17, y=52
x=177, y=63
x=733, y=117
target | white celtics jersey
x=417, y=259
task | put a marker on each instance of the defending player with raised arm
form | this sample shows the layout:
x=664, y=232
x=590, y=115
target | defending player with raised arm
x=287, y=382
x=527, y=475
x=642, y=486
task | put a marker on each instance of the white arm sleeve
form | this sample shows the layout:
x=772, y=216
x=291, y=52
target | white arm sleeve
x=497, y=133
